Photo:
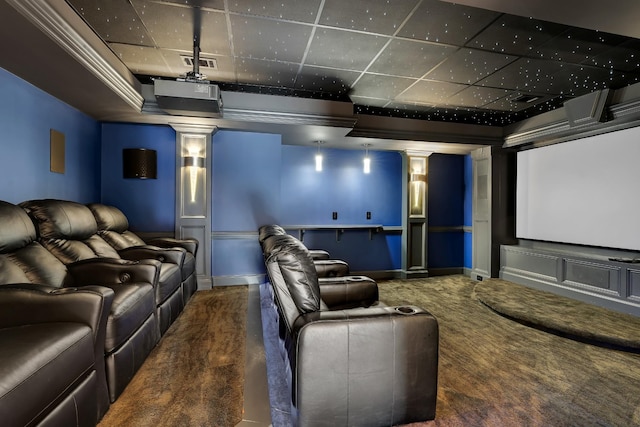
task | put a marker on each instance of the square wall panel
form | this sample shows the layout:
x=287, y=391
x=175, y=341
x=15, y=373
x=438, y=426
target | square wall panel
x=381, y=86
x=430, y=92
x=470, y=65
x=366, y=15
x=448, y=23
x=267, y=39
x=346, y=50
x=410, y=58
x=291, y=10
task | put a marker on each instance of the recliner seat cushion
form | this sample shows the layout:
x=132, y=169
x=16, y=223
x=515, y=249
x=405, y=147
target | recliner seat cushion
x=41, y=361
x=132, y=306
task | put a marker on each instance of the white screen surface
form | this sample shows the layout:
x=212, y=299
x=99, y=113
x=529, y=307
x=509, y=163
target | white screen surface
x=583, y=192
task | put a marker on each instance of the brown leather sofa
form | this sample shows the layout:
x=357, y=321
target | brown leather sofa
x=368, y=365
x=113, y=226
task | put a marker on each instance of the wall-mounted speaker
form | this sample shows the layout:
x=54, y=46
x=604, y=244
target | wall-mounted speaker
x=139, y=163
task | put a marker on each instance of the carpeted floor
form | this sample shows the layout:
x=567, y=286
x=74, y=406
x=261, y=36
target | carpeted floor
x=497, y=372
x=195, y=376
x=564, y=316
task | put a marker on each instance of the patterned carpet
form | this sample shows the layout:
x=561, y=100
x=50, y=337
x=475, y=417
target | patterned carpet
x=195, y=376
x=497, y=372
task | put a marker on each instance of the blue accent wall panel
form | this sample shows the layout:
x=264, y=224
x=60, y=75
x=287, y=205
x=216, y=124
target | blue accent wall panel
x=468, y=209
x=246, y=180
x=236, y=257
x=149, y=204
x=445, y=250
x=310, y=197
x=27, y=115
x=446, y=190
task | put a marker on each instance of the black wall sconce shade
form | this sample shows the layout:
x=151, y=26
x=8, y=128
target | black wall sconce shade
x=139, y=163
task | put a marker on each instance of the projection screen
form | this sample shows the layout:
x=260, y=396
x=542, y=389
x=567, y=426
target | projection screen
x=582, y=192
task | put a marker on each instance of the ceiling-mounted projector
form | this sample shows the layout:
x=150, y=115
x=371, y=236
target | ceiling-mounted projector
x=198, y=98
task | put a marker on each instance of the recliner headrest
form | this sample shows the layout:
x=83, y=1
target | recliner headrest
x=16, y=228
x=300, y=276
x=109, y=218
x=61, y=219
x=267, y=231
x=273, y=244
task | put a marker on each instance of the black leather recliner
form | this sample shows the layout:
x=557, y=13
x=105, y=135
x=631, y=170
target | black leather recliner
x=131, y=326
x=69, y=231
x=370, y=366
x=113, y=226
x=325, y=267
x=51, y=347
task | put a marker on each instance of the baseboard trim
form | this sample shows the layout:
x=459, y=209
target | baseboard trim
x=254, y=279
x=446, y=271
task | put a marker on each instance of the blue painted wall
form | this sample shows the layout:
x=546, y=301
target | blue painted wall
x=246, y=195
x=148, y=203
x=468, y=209
x=446, y=211
x=27, y=115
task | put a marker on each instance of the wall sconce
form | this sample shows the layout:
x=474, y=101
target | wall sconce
x=319, y=157
x=417, y=186
x=139, y=163
x=194, y=164
x=366, y=162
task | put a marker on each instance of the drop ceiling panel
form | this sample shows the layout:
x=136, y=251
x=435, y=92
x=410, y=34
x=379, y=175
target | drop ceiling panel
x=430, y=92
x=381, y=86
x=368, y=101
x=410, y=58
x=509, y=103
x=114, y=21
x=209, y=4
x=469, y=66
x=577, y=45
x=143, y=60
x=366, y=15
x=516, y=35
x=267, y=73
x=526, y=75
x=620, y=58
x=448, y=23
x=170, y=26
x=319, y=79
x=576, y=80
x=345, y=50
x=477, y=96
x=292, y=10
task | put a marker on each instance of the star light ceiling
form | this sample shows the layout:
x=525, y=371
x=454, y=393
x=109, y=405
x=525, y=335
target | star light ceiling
x=422, y=59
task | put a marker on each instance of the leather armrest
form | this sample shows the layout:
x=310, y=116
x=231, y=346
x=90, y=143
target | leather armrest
x=331, y=267
x=111, y=271
x=172, y=255
x=23, y=306
x=191, y=245
x=348, y=291
x=317, y=254
x=375, y=365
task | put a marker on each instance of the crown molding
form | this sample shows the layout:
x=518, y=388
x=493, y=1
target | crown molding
x=55, y=18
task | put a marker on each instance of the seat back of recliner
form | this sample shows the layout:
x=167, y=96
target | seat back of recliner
x=22, y=259
x=68, y=230
x=266, y=231
x=113, y=226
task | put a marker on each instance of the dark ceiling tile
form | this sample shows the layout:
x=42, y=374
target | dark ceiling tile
x=576, y=45
x=170, y=26
x=345, y=50
x=266, y=73
x=292, y=10
x=470, y=65
x=510, y=102
x=368, y=101
x=620, y=58
x=516, y=35
x=443, y=22
x=410, y=58
x=366, y=15
x=113, y=21
x=209, y=4
x=475, y=96
x=143, y=60
x=381, y=86
x=526, y=75
x=430, y=92
x=267, y=39
x=576, y=80
x=319, y=79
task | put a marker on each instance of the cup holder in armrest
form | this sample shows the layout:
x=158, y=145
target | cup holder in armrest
x=405, y=310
